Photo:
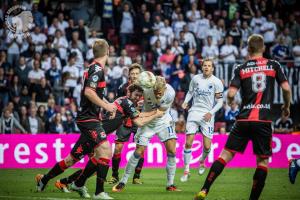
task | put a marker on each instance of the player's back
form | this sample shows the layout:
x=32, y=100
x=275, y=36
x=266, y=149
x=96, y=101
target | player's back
x=256, y=79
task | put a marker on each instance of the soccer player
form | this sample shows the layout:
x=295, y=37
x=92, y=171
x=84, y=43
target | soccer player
x=124, y=131
x=294, y=167
x=92, y=137
x=255, y=79
x=126, y=110
x=161, y=97
x=204, y=89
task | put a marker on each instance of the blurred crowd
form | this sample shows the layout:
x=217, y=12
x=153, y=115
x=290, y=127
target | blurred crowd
x=41, y=75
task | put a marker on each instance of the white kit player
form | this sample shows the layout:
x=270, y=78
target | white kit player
x=161, y=97
x=206, y=91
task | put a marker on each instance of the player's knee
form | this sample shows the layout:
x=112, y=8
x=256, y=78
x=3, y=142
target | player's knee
x=207, y=147
x=188, y=145
x=118, y=147
x=172, y=152
x=140, y=151
x=69, y=161
x=262, y=161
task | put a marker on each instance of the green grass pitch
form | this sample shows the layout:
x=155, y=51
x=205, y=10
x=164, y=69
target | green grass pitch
x=233, y=184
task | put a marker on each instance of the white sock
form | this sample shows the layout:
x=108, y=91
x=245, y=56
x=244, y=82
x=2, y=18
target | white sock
x=298, y=162
x=204, y=154
x=187, y=154
x=132, y=163
x=171, y=169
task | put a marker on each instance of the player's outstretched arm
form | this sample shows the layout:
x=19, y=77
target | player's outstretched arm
x=94, y=98
x=141, y=121
x=147, y=114
x=286, y=91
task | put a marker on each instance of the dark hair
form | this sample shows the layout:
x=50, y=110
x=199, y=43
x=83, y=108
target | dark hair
x=135, y=66
x=134, y=87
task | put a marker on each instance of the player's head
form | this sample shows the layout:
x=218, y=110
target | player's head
x=256, y=45
x=159, y=87
x=207, y=67
x=134, y=71
x=134, y=92
x=100, y=48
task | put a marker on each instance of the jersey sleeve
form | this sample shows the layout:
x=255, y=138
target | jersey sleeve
x=129, y=109
x=167, y=102
x=280, y=76
x=219, y=87
x=96, y=80
x=236, y=79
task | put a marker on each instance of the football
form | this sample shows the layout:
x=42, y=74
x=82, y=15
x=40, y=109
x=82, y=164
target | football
x=146, y=79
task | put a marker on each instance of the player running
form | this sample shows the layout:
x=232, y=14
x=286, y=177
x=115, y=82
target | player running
x=204, y=89
x=93, y=136
x=255, y=79
x=161, y=97
x=124, y=131
x=126, y=110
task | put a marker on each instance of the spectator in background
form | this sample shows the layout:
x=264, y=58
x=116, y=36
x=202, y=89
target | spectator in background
x=210, y=50
x=230, y=115
x=62, y=23
x=126, y=59
x=33, y=123
x=69, y=125
x=296, y=53
x=53, y=75
x=38, y=39
x=24, y=97
x=23, y=114
x=35, y=75
x=50, y=108
x=9, y=124
x=157, y=22
x=42, y=92
x=189, y=37
x=229, y=53
x=3, y=62
x=177, y=72
x=247, y=11
x=191, y=72
x=60, y=43
x=146, y=31
x=178, y=25
x=176, y=49
x=268, y=29
x=280, y=51
x=4, y=89
x=193, y=15
x=201, y=28
x=246, y=32
x=22, y=71
x=257, y=22
x=167, y=31
x=71, y=74
x=233, y=7
x=56, y=125
x=83, y=31
x=14, y=46
x=37, y=16
x=236, y=34
x=15, y=89
x=165, y=61
x=41, y=113
x=157, y=36
x=127, y=25
x=294, y=27
x=69, y=30
x=55, y=27
x=283, y=125
x=76, y=42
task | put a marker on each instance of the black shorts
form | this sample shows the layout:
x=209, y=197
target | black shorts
x=92, y=134
x=123, y=133
x=260, y=133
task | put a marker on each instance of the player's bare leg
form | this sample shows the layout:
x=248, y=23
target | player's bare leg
x=187, y=155
x=205, y=152
x=171, y=164
x=132, y=162
x=215, y=170
x=58, y=169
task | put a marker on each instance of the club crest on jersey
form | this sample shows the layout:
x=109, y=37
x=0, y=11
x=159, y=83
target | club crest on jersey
x=210, y=87
x=95, y=78
x=97, y=68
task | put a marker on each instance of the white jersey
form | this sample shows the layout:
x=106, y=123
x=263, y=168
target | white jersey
x=151, y=103
x=203, y=91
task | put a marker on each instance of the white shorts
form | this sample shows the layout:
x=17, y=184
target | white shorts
x=145, y=133
x=195, y=122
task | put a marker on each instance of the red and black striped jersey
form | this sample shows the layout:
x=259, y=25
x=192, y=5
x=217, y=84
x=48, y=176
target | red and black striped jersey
x=255, y=79
x=126, y=111
x=94, y=79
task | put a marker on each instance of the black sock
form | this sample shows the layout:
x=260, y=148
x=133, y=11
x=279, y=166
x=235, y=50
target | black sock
x=215, y=170
x=259, y=179
x=116, y=164
x=58, y=168
x=138, y=168
x=88, y=171
x=71, y=178
x=102, y=169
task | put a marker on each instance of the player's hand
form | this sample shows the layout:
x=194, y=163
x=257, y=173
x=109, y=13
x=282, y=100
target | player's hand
x=111, y=107
x=140, y=104
x=207, y=117
x=285, y=111
x=159, y=113
x=184, y=106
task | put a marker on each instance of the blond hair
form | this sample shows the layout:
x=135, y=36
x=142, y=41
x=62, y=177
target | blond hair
x=100, y=48
x=160, y=83
x=255, y=44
